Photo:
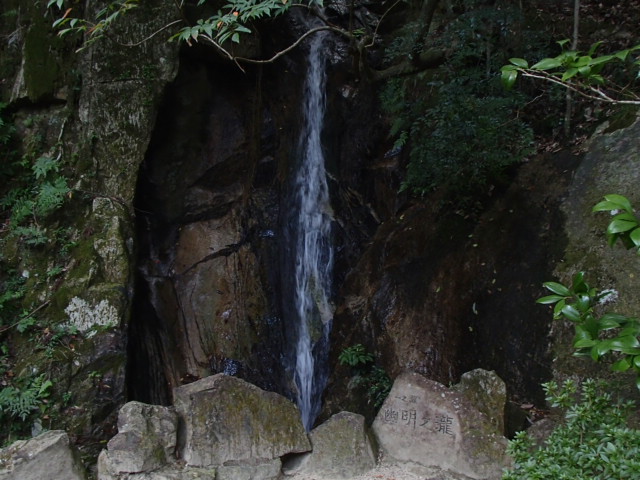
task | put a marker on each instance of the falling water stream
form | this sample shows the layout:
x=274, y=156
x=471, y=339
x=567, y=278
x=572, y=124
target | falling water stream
x=311, y=246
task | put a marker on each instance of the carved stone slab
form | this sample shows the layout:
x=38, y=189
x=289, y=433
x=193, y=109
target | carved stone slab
x=424, y=423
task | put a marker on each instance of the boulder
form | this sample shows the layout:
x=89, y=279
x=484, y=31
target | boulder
x=487, y=392
x=341, y=450
x=423, y=423
x=146, y=440
x=227, y=421
x=47, y=456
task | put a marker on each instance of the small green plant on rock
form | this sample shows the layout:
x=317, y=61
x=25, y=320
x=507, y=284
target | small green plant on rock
x=44, y=193
x=355, y=355
x=593, y=442
x=22, y=401
x=368, y=375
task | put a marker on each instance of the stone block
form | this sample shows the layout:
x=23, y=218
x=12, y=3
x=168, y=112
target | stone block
x=225, y=419
x=424, y=423
x=258, y=470
x=487, y=392
x=146, y=440
x=47, y=456
x=341, y=449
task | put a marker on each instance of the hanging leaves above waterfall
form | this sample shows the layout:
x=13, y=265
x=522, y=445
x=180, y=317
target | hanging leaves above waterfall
x=223, y=25
x=232, y=20
x=213, y=24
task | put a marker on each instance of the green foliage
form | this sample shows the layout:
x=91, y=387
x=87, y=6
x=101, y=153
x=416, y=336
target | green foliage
x=596, y=336
x=625, y=225
x=6, y=128
x=227, y=24
x=11, y=289
x=25, y=398
x=594, y=441
x=368, y=375
x=44, y=193
x=233, y=20
x=465, y=142
x=459, y=127
x=8, y=163
x=378, y=385
x=93, y=30
x=582, y=72
x=611, y=334
x=355, y=355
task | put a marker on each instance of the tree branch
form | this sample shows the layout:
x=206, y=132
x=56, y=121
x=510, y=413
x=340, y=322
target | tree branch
x=597, y=94
x=137, y=44
x=280, y=53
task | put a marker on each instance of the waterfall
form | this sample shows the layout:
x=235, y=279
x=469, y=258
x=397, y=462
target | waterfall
x=310, y=247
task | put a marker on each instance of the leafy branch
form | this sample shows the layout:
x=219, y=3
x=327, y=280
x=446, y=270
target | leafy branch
x=612, y=333
x=233, y=20
x=579, y=72
x=624, y=226
x=227, y=25
x=236, y=19
x=105, y=18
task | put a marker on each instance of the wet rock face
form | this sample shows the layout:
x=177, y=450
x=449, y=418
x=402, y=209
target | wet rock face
x=439, y=291
x=208, y=265
x=390, y=295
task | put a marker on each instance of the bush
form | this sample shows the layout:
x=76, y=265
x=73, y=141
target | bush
x=465, y=142
x=461, y=129
x=594, y=442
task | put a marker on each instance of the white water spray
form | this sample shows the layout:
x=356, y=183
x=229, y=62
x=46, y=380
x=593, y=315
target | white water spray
x=313, y=251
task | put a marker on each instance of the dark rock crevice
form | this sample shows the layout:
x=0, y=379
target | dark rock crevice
x=208, y=202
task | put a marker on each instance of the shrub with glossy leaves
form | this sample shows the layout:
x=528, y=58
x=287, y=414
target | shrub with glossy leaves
x=610, y=335
x=594, y=441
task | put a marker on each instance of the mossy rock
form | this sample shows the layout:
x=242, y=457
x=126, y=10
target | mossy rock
x=228, y=420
